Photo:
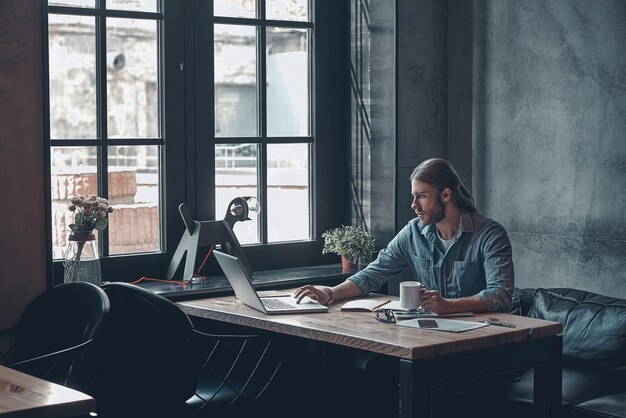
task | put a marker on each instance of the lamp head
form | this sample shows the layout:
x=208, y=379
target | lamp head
x=239, y=209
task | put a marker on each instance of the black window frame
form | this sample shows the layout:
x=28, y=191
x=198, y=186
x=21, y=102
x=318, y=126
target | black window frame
x=263, y=139
x=187, y=171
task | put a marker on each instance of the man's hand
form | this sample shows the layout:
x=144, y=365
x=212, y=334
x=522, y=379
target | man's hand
x=432, y=301
x=320, y=294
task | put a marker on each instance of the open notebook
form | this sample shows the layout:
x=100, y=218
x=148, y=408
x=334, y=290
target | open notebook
x=245, y=292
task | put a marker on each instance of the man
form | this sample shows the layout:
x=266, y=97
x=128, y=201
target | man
x=462, y=259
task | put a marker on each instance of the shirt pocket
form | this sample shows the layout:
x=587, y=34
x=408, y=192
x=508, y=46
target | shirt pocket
x=467, y=276
x=423, y=270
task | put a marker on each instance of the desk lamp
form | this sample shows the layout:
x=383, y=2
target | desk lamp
x=239, y=209
x=206, y=233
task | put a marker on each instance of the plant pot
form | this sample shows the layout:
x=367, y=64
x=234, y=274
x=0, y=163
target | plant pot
x=347, y=264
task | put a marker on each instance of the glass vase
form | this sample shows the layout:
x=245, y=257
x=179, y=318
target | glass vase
x=81, y=260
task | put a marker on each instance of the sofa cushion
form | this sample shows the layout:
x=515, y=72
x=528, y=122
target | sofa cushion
x=606, y=406
x=578, y=386
x=521, y=301
x=594, y=326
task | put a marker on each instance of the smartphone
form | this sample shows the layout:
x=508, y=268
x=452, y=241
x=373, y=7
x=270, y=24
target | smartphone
x=427, y=323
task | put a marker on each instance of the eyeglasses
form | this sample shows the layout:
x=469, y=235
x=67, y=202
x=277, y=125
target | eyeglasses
x=388, y=318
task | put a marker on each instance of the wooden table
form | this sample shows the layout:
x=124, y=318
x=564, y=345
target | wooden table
x=22, y=395
x=443, y=356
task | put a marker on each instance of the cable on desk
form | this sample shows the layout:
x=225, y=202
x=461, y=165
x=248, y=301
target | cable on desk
x=150, y=279
x=195, y=277
x=205, y=259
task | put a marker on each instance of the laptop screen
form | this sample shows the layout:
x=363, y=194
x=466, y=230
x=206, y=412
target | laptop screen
x=245, y=292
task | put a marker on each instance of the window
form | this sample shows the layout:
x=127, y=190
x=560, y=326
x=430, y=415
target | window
x=105, y=119
x=263, y=137
x=157, y=102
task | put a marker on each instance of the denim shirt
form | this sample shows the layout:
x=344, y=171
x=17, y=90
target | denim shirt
x=479, y=261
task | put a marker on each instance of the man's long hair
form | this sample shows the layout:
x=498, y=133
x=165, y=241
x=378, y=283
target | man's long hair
x=440, y=174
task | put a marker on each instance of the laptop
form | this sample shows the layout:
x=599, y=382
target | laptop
x=245, y=292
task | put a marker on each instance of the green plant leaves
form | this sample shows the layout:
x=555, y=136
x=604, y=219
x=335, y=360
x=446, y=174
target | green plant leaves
x=101, y=224
x=352, y=242
x=90, y=212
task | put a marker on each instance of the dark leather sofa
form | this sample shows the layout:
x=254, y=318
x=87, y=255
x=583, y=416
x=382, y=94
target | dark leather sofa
x=594, y=351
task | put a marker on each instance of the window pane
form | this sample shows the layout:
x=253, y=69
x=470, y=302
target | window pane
x=135, y=5
x=236, y=176
x=288, y=10
x=132, y=78
x=288, y=192
x=73, y=173
x=235, y=81
x=287, y=82
x=74, y=3
x=134, y=226
x=72, y=69
x=235, y=8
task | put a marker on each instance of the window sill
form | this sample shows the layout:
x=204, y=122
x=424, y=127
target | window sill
x=329, y=274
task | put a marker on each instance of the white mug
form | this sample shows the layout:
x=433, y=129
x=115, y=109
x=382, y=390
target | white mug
x=410, y=297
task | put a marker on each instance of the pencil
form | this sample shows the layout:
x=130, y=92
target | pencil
x=380, y=305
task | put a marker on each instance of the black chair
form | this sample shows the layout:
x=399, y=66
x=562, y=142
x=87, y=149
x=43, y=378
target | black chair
x=156, y=363
x=54, y=338
x=609, y=406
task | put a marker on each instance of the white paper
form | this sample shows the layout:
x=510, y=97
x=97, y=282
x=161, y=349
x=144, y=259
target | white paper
x=363, y=305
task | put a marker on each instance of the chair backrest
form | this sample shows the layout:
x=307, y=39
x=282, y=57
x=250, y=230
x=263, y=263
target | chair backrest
x=58, y=319
x=147, y=361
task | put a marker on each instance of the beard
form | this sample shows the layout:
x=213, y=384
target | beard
x=436, y=214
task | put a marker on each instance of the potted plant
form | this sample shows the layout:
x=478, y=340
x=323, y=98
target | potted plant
x=352, y=243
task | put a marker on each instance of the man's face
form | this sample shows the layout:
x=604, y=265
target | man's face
x=427, y=203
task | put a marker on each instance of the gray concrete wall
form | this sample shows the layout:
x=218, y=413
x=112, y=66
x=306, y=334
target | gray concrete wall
x=382, y=119
x=372, y=78
x=549, y=141
x=22, y=197
x=528, y=101
x=421, y=92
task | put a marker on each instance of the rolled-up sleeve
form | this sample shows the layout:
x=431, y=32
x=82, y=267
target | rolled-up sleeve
x=498, y=266
x=390, y=262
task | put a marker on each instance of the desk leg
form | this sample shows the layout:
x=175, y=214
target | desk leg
x=316, y=370
x=304, y=375
x=547, y=387
x=414, y=396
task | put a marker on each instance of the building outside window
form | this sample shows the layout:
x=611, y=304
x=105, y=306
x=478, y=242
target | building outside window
x=109, y=75
x=262, y=62
x=105, y=119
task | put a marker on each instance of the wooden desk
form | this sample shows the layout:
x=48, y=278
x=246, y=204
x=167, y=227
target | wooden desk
x=443, y=356
x=22, y=395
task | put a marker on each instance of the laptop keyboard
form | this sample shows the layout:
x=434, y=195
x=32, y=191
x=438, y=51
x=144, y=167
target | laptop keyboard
x=276, y=304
